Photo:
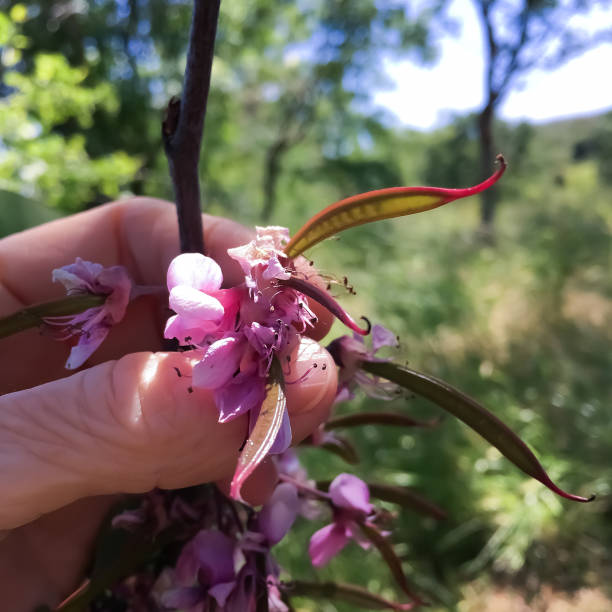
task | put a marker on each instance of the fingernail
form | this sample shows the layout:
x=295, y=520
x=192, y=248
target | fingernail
x=309, y=373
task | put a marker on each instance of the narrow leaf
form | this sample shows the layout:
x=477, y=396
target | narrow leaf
x=338, y=445
x=376, y=205
x=327, y=301
x=403, y=496
x=349, y=593
x=377, y=418
x=33, y=316
x=264, y=433
x=472, y=414
x=407, y=498
x=391, y=559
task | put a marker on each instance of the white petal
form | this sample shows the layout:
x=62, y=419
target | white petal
x=195, y=306
x=194, y=270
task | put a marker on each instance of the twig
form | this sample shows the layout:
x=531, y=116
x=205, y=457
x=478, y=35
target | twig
x=183, y=125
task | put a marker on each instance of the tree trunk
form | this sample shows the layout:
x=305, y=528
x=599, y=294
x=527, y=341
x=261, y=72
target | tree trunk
x=487, y=154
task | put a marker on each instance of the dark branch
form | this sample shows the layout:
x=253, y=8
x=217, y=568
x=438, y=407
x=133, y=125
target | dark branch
x=183, y=125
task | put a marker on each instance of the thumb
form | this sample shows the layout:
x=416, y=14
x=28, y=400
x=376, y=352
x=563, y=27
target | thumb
x=131, y=425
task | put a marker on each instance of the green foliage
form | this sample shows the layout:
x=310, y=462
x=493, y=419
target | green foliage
x=40, y=160
x=523, y=326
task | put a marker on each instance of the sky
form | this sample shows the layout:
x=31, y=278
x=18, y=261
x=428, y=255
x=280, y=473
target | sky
x=426, y=98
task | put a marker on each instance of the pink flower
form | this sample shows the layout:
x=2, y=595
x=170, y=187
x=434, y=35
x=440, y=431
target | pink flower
x=349, y=352
x=206, y=568
x=279, y=513
x=91, y=326
x=351, y=503
x=201, y=306
x=239, y=330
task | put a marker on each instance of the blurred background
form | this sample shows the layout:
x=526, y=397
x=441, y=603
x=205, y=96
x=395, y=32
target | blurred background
x=508, y=297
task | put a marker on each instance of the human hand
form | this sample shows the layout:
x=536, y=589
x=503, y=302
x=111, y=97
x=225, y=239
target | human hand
x=125, y=424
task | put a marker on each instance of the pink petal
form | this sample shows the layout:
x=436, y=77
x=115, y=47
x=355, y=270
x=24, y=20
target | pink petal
x=243, y=394
x=118, y=281
x=278, y=515
x=276, y=236
x=186, y=565
x=219, y=364
x=177, y=327
x=275, y=602
x=283, y=438
x=381, y=336
x=182, y=597
x=214, y=552
x=79, y=276
x=196, y=271
x=194, y=306
x=87, y=344
x=274, y=269
x=260, y=337
x=327, y=543
x=222, y=591
x=348, y=491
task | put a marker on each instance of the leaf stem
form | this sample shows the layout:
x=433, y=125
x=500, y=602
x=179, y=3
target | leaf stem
x=33, y=316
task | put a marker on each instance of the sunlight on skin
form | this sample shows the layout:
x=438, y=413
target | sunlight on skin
x=94, y=413
x=149, y=372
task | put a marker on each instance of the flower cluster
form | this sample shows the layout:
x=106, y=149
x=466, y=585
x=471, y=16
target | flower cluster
x=350, y=352
x=91, y=326
x=214, y=553
x=239, y=331
x=350, y=498
x=221, y=564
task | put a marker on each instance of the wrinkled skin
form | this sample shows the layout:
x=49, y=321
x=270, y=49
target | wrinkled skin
x=125, y=422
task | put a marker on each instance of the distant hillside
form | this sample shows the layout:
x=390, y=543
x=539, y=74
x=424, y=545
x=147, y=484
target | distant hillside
x=559, y=138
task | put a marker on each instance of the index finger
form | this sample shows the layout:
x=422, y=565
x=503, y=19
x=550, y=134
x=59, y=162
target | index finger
x=140, y=234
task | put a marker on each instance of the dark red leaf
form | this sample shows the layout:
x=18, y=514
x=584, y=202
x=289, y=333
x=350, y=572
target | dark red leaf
x=377, y=205
x=264, y=433
x=349, y=593
x=391, y=559
x=472, y=414
x=377, y=418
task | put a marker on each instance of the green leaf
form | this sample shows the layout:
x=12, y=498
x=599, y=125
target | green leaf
x=376, y=205
x=18, y=213
x=472, y=414
x=349, y=593
x=264, y=433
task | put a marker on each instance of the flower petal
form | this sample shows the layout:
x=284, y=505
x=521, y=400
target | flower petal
x=381, y=336
x=274, y=269
x=243, y=394
x=214, y=552
x=196, y=271
x=87, y=344
x=219, y=364
x=348, y=491
x=78, y=276
x=278, y=515
x=194, y=306
x=327, y=543
x=283, y=438
x=220, y=592
x=182, y=597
